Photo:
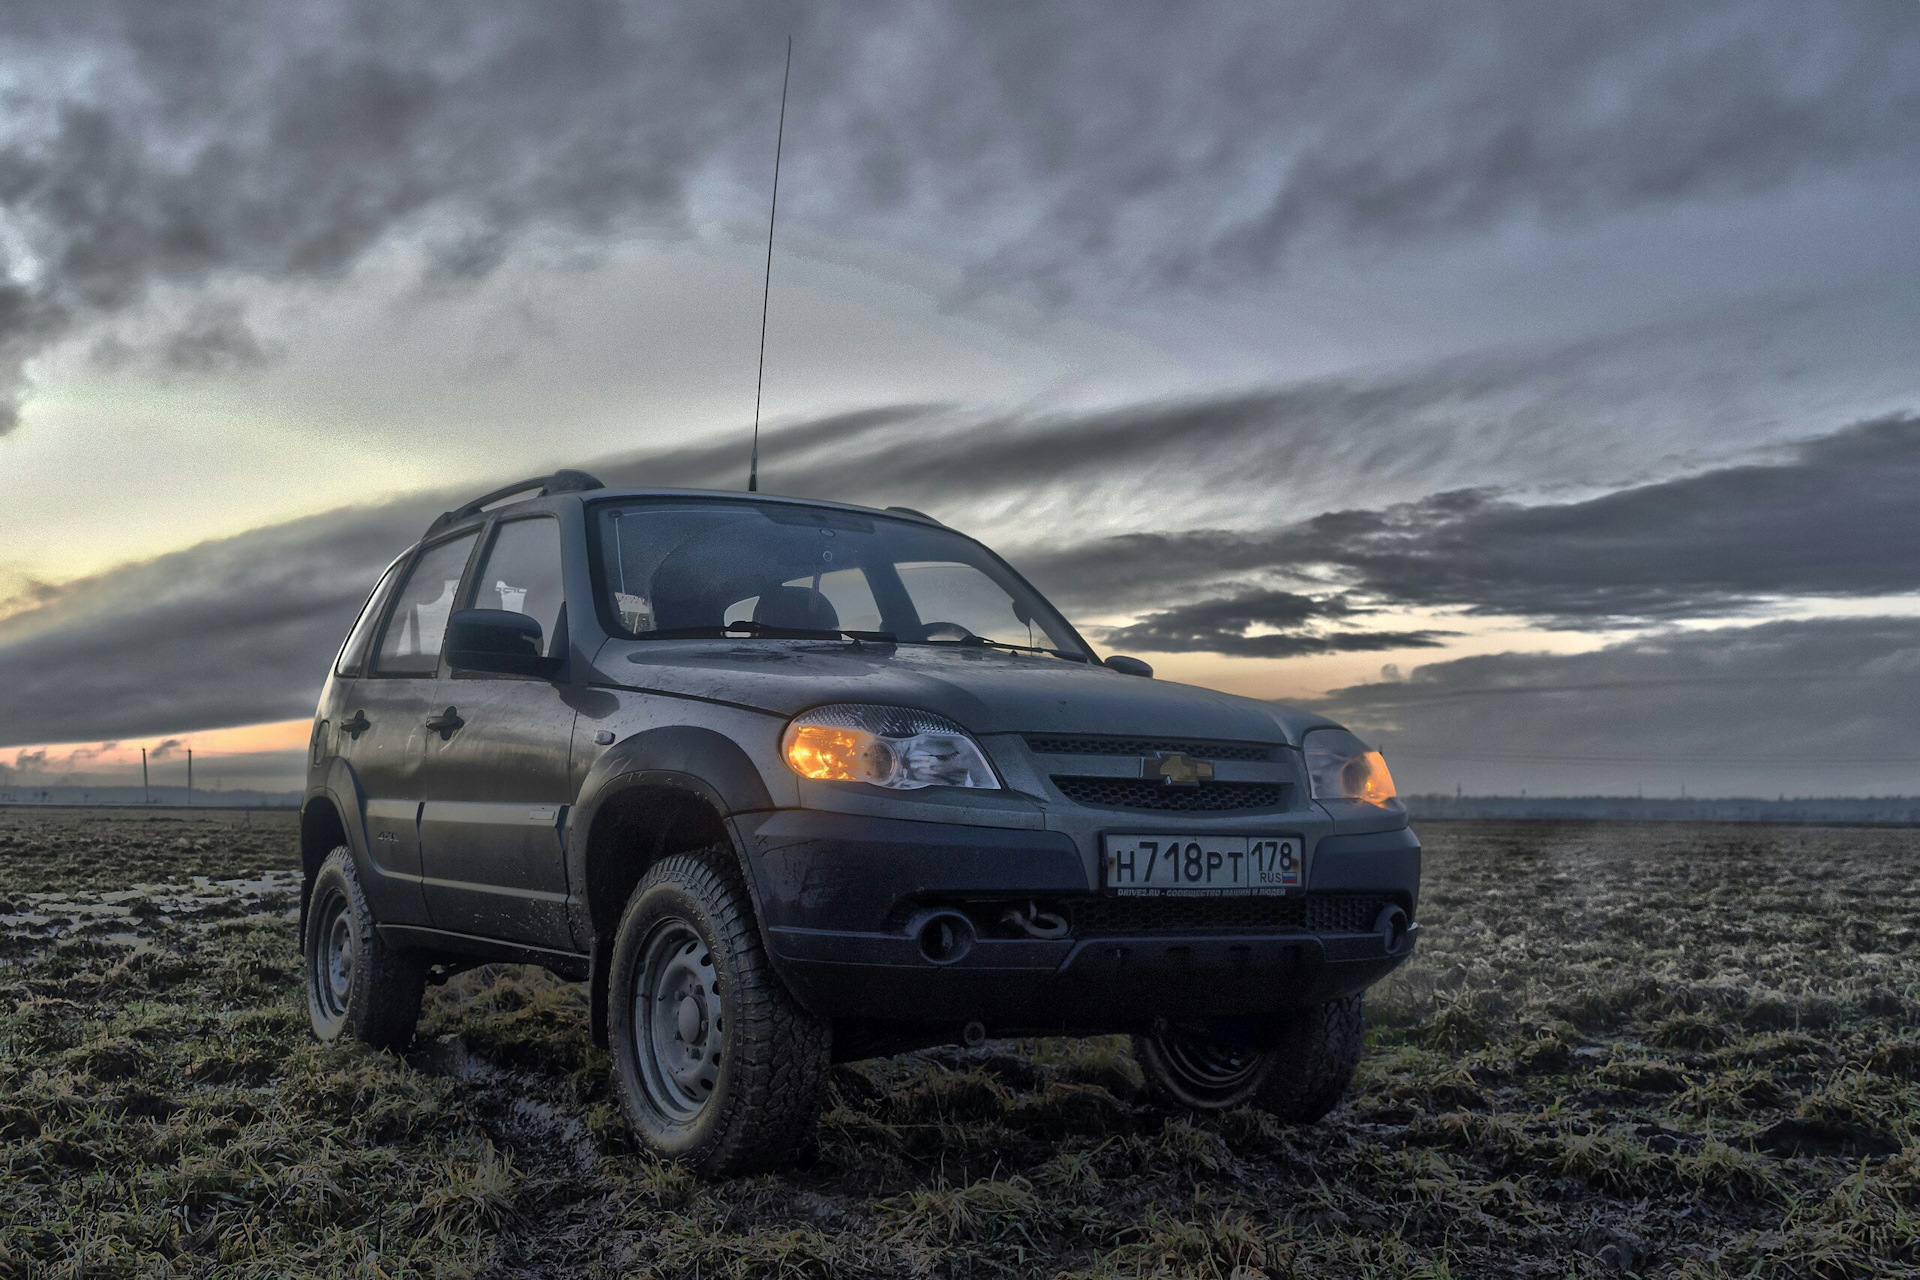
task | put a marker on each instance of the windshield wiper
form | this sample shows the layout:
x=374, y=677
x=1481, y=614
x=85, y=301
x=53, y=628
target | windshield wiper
x=748, y=627
x=1015, y=648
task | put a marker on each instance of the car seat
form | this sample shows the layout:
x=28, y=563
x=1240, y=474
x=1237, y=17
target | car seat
x=797, y=609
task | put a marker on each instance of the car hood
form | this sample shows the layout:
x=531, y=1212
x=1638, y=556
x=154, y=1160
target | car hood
x=986, y=691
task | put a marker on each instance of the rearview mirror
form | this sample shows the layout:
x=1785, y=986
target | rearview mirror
x=1129, y=666
x=498, y=642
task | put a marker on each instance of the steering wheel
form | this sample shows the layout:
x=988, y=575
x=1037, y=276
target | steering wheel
x=945, y=633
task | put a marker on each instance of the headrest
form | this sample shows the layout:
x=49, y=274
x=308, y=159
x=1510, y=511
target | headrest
x=798, y=608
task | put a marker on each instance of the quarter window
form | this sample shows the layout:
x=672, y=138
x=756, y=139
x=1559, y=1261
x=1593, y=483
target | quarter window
x=411, y=645
x=353, y=654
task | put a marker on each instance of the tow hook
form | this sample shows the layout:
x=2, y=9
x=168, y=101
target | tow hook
x=1034, y=922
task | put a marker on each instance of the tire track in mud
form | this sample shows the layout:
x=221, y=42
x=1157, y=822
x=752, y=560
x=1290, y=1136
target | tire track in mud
x=560, y=1213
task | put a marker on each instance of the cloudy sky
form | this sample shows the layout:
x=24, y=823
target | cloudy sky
x=1535, y=387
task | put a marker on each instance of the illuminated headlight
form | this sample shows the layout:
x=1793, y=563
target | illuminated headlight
x=1341, y=767
x=885, y=747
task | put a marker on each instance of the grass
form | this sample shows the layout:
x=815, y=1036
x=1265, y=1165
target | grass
x=1659, y=1049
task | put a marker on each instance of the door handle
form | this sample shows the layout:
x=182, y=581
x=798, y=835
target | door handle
x=355, y=725
x=445, y=723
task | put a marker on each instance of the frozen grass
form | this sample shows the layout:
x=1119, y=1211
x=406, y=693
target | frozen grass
x=1656, y=1049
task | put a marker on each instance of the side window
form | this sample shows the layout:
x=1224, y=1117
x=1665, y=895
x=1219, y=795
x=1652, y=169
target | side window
x=521, y=574
x=411, y=645
x=353, y=654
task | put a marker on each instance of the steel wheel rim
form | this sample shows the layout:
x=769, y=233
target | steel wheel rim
x=333, y=958
x=1204, y=1065
x=678, y=1025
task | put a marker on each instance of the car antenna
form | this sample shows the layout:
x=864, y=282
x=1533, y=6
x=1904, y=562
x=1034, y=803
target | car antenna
x=766, y=287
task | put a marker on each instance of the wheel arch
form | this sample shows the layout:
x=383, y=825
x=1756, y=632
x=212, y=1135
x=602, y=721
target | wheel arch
x=322, y=830
x=668, y=790
x=670, y=772
x=652, y=817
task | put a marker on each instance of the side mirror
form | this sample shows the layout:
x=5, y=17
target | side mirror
x=1129, y=666
x=499, y=642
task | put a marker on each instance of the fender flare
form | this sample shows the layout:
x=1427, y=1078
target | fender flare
x=702, y=762
x=339, y=788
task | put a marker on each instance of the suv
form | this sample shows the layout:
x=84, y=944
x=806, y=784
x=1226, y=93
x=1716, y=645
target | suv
x=792, y=782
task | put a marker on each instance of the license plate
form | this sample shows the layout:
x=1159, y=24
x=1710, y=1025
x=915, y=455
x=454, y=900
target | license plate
x=1156, y=866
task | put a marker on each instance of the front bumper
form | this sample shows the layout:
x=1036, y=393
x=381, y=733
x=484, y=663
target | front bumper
x=847, y=903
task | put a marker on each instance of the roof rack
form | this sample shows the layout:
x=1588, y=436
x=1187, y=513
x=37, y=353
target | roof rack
x=558, y=482
x=909, y=511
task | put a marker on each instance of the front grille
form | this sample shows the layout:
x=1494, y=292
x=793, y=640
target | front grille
x=1137, y=917
x=1139, y=793
x=1062, y=746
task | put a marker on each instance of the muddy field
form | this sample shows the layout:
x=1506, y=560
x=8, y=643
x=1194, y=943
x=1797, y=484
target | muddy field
x=1659, y=1049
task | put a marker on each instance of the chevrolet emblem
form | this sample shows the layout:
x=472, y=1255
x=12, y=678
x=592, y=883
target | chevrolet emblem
x=1177, y=769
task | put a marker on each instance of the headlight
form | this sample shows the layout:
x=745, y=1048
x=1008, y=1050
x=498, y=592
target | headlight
x=884, y=746
x=1341, y=767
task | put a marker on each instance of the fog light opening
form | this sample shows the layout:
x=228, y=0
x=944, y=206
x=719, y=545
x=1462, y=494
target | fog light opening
x=1392, y=924
x=944, y=937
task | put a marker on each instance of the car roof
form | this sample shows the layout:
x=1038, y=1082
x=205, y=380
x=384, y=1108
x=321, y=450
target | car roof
x=579, y=484
x=738, y=496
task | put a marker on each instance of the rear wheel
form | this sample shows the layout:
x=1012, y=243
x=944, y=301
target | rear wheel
x=1188, y=1071
x=356, y=984
x=716, y=1064
x=1299, y=1076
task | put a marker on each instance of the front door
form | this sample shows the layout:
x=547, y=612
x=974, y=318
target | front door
x=382, y=731
x=496, y=780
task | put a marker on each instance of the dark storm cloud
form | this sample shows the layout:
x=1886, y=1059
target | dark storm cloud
x=1835, y=517
x=229, y=632
x=240, y=629
x=1222, y=624
x=1062, y=151
x=1802, y=704
x=1315, y=442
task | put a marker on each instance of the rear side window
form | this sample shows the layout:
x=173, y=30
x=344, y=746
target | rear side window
x=411, y=644
x=521, y=574
x=353, y=654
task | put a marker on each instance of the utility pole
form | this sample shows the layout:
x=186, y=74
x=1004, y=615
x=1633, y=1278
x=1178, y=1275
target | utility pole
x=146, y=797
x=189, y=777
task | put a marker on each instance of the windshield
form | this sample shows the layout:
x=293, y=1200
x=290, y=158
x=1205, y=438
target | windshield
x=678, y=567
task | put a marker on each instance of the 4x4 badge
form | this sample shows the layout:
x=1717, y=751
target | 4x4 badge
x=1177, y=769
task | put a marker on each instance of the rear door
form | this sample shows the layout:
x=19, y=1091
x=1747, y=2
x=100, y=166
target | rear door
x=382, y=728
x=496, y=787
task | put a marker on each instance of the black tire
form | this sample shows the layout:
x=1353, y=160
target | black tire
x=1319, y=1049
x=1192, y=1073
x=1299, y=1076
x=717, y=1066
x=356, y=984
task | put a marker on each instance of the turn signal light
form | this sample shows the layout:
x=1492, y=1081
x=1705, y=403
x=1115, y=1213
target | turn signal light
x=831, y=753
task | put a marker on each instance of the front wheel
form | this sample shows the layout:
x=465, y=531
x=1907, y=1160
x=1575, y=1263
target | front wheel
x=716, y=1064
x=1299, y=1076
x=356, y=984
